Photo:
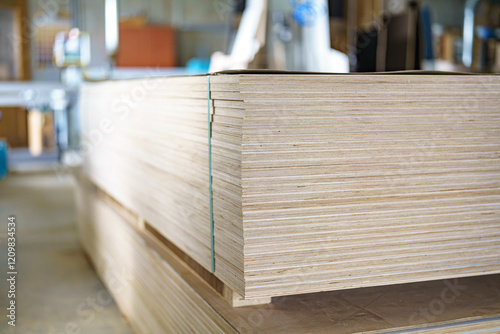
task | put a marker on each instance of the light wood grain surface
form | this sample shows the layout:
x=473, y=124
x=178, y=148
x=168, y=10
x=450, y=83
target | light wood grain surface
x=320, y=182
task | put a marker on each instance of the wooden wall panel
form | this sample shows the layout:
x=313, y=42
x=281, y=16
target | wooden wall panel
x=13, y=126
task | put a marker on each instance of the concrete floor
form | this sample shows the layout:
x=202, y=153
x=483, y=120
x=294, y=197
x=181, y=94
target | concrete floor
x=56, y=286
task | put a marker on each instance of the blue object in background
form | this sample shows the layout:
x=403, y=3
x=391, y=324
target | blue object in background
x=305, y=12
x=3, y=159
x=198, y=65
x=485, y=33
x=426, y=21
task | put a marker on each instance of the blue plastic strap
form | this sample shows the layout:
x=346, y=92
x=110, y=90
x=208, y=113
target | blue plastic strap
x=210, y=175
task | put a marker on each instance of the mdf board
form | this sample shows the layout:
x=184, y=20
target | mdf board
x=146, y=46
x=319, y=182
x=13, y=126
x=158, y=293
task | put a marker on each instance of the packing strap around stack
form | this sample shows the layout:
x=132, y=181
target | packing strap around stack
x=210, y=175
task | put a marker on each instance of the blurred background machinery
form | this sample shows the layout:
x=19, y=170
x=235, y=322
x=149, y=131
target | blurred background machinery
x=48, y=48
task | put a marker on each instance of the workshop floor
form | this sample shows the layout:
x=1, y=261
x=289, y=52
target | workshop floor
x=57, y=291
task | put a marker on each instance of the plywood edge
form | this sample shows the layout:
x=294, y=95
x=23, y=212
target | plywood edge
x=164, y=247
x=236, y=300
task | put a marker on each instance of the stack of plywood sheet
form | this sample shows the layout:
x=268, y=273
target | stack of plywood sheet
x=159, y=293
x=313, y=182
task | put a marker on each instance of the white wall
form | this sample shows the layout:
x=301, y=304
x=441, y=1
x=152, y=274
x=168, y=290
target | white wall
x=176, y=12
x=91, y=20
